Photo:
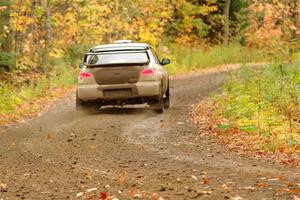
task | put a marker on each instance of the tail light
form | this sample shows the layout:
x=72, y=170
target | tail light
x=85, y=75
x=147, y=72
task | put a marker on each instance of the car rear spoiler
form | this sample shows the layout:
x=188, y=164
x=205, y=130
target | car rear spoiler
x=116, y=64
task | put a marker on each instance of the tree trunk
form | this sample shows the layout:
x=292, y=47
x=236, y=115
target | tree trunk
x=295, y=18
x=17, y=37
x=47, y=23
x=226, y=26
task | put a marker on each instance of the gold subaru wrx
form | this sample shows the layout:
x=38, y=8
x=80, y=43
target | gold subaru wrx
x=123, y=73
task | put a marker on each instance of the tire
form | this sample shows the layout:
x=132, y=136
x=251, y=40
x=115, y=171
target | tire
x=167, y=99
x=159, y=106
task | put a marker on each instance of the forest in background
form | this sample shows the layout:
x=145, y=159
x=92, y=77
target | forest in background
x=35, y=34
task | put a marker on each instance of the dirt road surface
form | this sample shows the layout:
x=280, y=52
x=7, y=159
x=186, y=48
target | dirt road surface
x=133, y=153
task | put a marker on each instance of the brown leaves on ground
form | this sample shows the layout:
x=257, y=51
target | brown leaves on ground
x=241, y=142
x=50, y=136
x=205, y=180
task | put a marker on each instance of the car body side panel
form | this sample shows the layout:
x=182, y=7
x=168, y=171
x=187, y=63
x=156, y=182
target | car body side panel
x=162, y=75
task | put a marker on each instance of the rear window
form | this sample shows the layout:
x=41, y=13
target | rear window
x=112, y=58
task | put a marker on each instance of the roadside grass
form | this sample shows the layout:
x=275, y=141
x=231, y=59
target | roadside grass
x=18, y=97
x=198, y=58
x=263, y=102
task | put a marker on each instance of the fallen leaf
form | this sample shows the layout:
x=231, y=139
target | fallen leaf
x=50, y=136
x=205, y=180
x=282, y=191
x=194, y=177
x=247, y=188
x=91, y=189
x=123, y=176
x=273, y=179
x=88, y=175
x=103, y=195
x=155, y=196
x=204, y=191
x=162, y=124
x=236, y=198
x=225, y=188
x=294, y=191
x=3, y=187
x=291, y=184
x=262, y=185
x=13, y=145
x=296, y=198
x=79, y=194
x=135, y=193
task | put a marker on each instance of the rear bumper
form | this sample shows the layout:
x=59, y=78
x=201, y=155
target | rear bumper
x=139, y=89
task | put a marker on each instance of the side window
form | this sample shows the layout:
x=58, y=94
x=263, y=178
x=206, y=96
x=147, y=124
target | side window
x=156, y=59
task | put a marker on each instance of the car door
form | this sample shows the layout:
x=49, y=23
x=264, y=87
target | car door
x=164, y=75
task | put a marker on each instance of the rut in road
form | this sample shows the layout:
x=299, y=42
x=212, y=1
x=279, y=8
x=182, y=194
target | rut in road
x=133, y=153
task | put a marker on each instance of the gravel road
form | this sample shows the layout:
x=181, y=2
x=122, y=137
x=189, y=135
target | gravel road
x=133, y=153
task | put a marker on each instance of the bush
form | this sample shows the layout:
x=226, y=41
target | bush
x=7, y=61
x=265, y=99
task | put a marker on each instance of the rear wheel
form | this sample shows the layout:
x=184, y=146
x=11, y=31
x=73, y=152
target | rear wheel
x=167, y=99
x=159, y=106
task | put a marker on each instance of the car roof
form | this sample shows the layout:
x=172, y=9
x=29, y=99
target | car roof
x=120, y=47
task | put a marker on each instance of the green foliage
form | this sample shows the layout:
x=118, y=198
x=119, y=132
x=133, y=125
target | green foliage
x=224, y=127
x=74, y=53
x=11, y=96
x=6, y=59
x=197, y=58
x=264, y=100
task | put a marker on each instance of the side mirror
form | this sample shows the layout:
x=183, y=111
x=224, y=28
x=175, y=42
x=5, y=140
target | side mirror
x=165, y=61
x=81, y=65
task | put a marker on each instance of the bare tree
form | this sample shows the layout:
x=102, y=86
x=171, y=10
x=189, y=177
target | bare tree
x=295, y=17
x=48, y=23
x=226, y=26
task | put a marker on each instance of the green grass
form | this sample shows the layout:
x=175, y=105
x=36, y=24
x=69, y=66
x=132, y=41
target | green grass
x=12, y=96
x=192, y=59
x=266, y=99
